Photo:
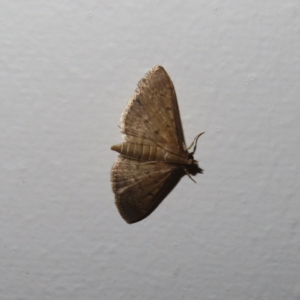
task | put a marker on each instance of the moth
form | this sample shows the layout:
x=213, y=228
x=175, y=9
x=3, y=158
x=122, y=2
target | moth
x=153, y=156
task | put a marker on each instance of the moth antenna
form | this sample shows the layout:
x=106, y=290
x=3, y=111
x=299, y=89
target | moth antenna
x=188, y=174
x=195, y=142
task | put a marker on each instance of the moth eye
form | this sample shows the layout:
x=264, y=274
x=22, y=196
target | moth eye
x=191, y=156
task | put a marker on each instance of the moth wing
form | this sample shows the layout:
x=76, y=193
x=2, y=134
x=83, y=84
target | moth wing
x=152, y=114
x=140, y=187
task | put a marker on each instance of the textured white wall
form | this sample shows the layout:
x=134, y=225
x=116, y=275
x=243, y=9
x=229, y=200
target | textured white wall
x=68, y=69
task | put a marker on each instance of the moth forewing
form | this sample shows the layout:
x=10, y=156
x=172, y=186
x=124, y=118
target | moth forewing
x=153, y=156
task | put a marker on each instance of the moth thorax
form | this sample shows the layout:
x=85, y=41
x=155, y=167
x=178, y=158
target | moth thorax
x=174, y=158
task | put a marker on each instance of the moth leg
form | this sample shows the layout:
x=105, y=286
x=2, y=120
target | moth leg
x=188, y=174
x=194, y=142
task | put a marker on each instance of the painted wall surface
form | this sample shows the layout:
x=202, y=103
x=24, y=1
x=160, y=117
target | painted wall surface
x=68, y=69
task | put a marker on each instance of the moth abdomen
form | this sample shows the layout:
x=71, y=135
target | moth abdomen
x=136, y=151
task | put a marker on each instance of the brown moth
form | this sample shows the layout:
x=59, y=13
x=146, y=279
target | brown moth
x=153, y=156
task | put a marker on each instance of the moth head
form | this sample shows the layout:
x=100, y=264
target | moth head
x=193, y=167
